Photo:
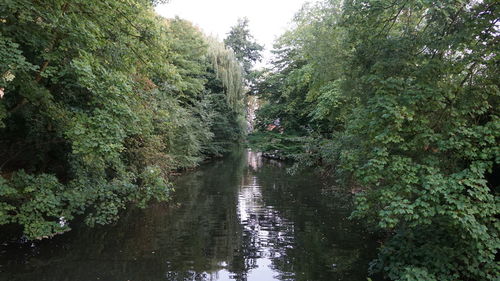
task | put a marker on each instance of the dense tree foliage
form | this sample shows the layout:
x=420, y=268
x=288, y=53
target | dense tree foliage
x=400, y=100
x=101, y=100
x=246, y=49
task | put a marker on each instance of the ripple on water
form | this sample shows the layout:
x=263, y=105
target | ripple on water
x=243, y=218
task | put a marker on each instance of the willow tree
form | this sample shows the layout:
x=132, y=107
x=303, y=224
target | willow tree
x=99, y=101
x=227, y=87
x=228, y=70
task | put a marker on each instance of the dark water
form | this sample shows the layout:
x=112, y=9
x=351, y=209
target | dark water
x=243, y=218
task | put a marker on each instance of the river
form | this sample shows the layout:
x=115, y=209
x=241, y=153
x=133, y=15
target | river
x=241, y=218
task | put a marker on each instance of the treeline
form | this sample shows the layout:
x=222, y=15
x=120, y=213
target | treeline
x=398, y=100
x=99, y=102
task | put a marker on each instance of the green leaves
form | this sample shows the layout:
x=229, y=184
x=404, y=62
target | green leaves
x=12, y=61
x=101, y=101
x=241, y=42
x=402, y=100
x=412, y=113
x=35, y=202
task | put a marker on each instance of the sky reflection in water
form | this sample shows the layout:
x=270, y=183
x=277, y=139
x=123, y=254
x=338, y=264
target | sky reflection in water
x=243, y=218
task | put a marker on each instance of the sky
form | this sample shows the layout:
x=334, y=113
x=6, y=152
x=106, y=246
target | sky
x=267, y=18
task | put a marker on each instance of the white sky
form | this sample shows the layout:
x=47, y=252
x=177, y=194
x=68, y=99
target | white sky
x=267, y=18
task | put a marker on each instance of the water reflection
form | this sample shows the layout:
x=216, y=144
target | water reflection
x=263, y=227
x=239, y=219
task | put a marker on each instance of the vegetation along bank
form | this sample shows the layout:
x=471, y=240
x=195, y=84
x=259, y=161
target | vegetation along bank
x=100, y=101
x=398, y=101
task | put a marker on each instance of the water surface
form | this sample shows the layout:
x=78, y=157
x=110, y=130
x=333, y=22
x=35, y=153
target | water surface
x=242, y=218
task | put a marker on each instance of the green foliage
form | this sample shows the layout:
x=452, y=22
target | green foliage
x=228, y=71
x=246, y=50
x=225, y=97
x=400, y=101
x=103, y=99
x=45, y=200
x=11, y=61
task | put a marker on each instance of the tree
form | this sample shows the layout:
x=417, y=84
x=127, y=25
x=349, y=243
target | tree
x=246, y=49
x=101, y=100
x=427, y=133
x=402, y=98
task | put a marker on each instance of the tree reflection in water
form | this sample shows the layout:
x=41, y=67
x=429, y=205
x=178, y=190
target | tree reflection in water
x=243, y=218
